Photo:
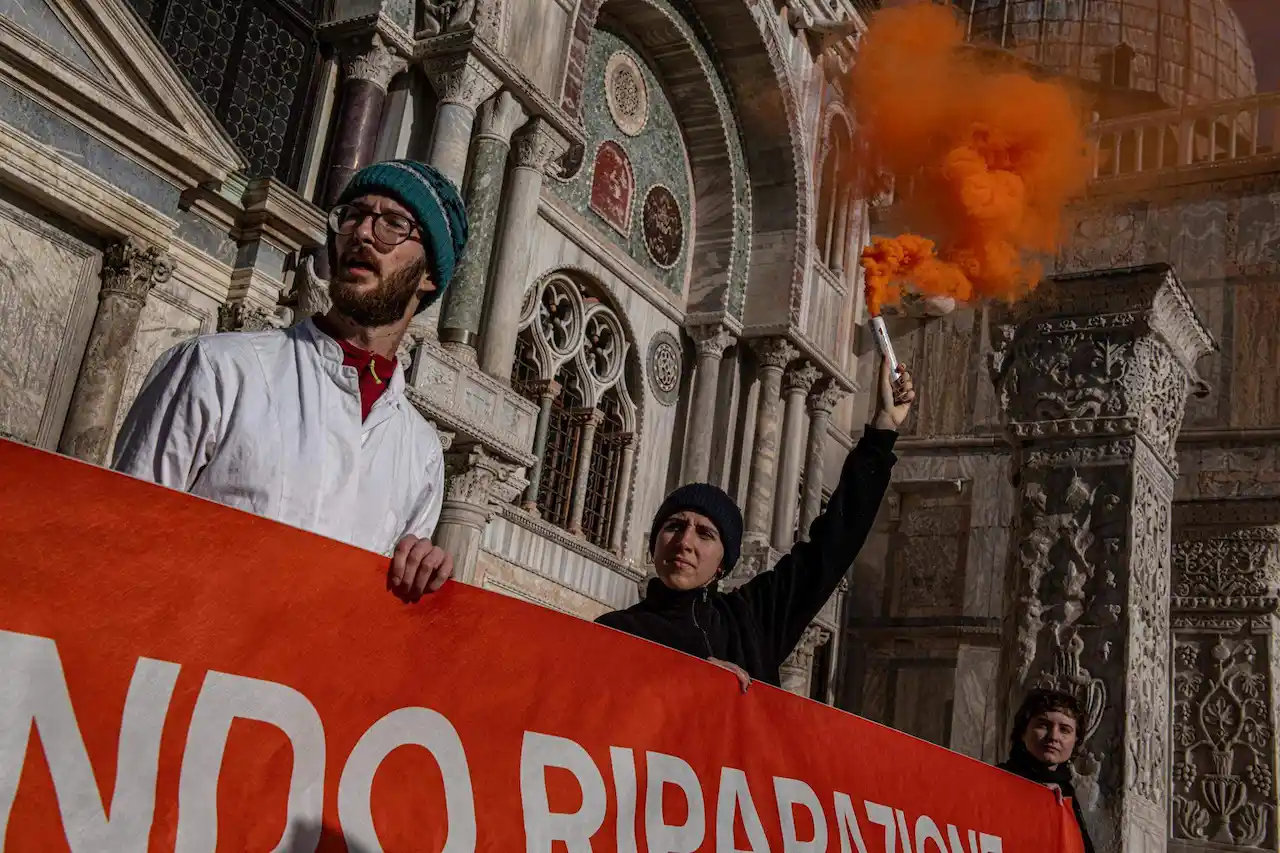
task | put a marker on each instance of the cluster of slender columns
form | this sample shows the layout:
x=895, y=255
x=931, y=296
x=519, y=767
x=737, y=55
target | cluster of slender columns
x=793, y=411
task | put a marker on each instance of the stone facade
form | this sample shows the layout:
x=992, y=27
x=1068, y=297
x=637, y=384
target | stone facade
x=661, y=286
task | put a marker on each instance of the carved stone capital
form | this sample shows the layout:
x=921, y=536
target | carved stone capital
x=800, y=378
x=825, y=395
x=587, y=417
x=443, y=16
x=537, y=144
x=546, y=389
x=712, y=340
x=813, y=637
x=1100, y=355
x=501, y=116
x=248, y=317
x=376, y=63
x=775, y=353
x=474, y=477
x=462, y=80
x=130, y=269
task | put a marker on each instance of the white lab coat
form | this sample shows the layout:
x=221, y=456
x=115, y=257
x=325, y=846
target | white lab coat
x=270, y=422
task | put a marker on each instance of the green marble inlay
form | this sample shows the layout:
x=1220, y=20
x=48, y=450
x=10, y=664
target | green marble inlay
x=657, y=157
x=464, y=300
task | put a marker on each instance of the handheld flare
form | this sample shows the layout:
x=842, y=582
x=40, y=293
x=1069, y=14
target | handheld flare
x=886, y=346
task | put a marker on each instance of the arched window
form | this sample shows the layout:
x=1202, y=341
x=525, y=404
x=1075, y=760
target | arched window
x=832, y=233
x=571, y=361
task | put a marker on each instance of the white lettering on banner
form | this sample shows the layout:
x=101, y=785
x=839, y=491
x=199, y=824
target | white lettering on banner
x=407, y=726
x=956, y=847
x=624, y=792
x=927, y=831
x=847, y=825
x=222, y=699
x=542, y=826
x=33, y=688
x=735, y=798
x=791, y=793
x=883, y=816
x=662, y=836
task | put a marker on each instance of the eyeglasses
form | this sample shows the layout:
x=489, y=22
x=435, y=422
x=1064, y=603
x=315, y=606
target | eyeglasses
x=389, y=228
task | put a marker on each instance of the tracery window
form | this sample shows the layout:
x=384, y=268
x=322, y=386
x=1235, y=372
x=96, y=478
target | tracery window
x=253, y=63
x=571, y=361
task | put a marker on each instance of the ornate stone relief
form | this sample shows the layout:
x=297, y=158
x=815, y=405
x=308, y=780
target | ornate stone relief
x=246, y=317
x=442, y=16
x=1096, y=373
x=1224, y=741
x=1226, y=570
x=626, y=93
x=664, y=365
x=472, y=476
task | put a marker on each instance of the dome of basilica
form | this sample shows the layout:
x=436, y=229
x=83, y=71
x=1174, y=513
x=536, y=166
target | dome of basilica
x=1185, y=52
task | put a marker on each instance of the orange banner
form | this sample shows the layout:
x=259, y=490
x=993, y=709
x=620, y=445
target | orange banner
x=178, y=676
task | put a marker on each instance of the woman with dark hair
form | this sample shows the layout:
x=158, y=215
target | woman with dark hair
x=1046, y=730
x=696, y=538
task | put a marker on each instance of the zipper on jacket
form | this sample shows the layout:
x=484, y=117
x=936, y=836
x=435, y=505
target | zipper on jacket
x=693, y=609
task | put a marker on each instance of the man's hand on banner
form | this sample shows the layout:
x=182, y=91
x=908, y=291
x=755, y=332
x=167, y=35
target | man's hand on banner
x=417, y=566
x=743, y=678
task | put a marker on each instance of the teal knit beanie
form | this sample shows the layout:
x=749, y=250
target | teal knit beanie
x=433, y=201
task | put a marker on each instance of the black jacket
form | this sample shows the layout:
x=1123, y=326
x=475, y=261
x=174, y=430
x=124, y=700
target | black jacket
x=757, y=625
x=1022, y=763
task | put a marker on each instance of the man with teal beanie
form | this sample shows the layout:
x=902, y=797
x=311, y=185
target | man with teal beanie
x=310, y=425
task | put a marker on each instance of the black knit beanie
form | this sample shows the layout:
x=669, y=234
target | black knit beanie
x=711, y=501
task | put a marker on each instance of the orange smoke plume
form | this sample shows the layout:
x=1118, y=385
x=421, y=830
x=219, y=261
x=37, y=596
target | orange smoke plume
x=990, y=158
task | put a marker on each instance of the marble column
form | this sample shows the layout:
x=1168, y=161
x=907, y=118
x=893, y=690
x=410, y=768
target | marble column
x=774, y=354
x=1093, y=374
x=588, y=421
x=841, y=237
x=548, y=390
x=129, y=271
x=786, y=496
x=463, y=302
x=1226, y=585
x=822, y=401
x=368, y=69
x=476, y=487
x=625, y=444
x=363, y=93
x=536, y=145
x=461, y=84
x=711, y=342
x=797, y=670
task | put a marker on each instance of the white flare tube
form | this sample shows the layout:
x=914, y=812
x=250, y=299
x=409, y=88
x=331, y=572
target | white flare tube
x=885, y=345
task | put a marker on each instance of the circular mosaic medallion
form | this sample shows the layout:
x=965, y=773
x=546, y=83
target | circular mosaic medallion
x=663, y=226
x=625, y=91
x=664, y=367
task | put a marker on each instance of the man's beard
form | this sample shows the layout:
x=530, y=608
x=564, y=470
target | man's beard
x=383, y=306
